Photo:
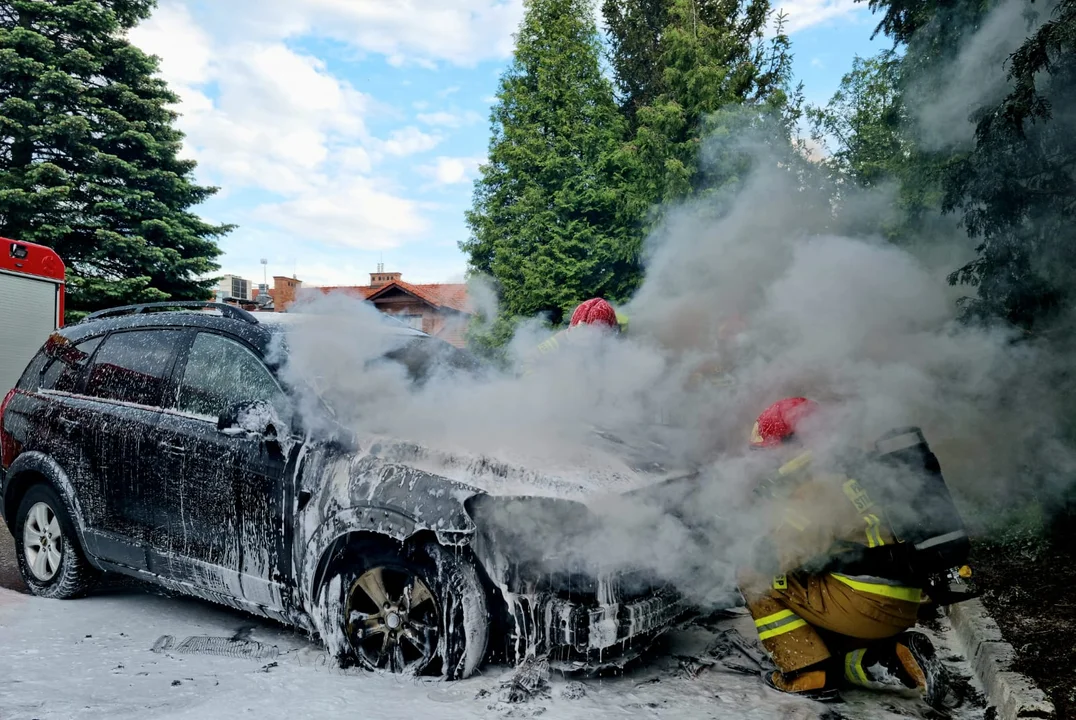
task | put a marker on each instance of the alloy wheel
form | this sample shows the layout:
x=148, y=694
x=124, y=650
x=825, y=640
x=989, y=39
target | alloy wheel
x=42, y=542
x=393, y=620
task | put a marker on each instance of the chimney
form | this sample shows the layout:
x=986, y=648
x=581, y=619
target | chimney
x=284, y=290
x=382, y=278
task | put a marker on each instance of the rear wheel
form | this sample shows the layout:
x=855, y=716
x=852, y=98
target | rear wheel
x=46, y=546
x=415, y=611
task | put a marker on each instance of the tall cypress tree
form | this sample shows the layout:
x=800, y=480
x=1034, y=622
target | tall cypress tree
x=548, y=219
x=681, y=82
x=88, y=155
x=635, y=28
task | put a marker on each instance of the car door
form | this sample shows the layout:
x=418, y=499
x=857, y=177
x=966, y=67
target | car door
x=62, y=415
x=225, y=492
x=121, y=405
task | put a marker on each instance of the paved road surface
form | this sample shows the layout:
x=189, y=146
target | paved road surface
x=9, y=571
x=106, y=657
x=125, y=655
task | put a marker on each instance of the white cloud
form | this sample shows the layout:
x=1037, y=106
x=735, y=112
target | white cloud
x=277, y=116
x=184, y=47
x=421, y=32
x=354, y=214
x=260, y=115
x=803, y=14
x=449, y=119
x=448, y=91
x=817, y=62
x=452, y=170
x=408, y=141
x=354, y=159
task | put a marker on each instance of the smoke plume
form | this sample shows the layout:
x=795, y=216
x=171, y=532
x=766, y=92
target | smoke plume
x=945, y=103
x=738, y=309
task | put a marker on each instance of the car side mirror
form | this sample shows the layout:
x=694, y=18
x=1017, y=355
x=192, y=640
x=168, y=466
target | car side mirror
x=253, y=418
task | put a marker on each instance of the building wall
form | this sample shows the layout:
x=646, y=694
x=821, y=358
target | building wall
x=284, y=290
x=447, y=324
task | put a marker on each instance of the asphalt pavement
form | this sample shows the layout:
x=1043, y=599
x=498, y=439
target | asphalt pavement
x=9, y=570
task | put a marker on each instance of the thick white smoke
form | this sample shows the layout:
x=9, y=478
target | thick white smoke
x=863, y=327
x=943, y=106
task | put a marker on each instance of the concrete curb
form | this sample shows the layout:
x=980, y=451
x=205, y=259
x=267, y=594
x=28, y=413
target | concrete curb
x=1013, y=694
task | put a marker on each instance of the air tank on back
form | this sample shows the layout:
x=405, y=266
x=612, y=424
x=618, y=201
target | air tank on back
x=907, y=478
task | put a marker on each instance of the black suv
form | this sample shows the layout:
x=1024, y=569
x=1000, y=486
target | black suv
x=158, y=441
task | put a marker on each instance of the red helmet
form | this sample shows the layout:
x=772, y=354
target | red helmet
x=594, y=312
x=777, y=423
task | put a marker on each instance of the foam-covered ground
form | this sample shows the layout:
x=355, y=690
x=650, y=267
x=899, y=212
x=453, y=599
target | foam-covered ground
x=95, y=658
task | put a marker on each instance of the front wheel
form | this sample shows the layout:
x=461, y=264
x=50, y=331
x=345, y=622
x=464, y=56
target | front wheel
x=409, y=611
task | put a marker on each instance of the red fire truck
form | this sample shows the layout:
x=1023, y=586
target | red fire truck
x=31, y=304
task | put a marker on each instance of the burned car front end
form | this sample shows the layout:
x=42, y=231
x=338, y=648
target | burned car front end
x=552, y=587
x=526, y=524
x=562, y=597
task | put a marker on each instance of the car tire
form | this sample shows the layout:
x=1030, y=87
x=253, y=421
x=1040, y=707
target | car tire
x=47, y=549
x=432, y=619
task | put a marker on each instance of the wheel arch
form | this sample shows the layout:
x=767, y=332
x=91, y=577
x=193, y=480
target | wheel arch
x=379, y=526
x=31, y=468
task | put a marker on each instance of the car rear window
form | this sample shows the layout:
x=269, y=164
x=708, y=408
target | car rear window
x=134, y=366
x=65, y=362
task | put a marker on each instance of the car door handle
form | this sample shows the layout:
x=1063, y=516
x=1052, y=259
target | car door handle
x=170, y=449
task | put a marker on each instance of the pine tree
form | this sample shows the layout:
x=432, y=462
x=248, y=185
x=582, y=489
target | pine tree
x=712, y=60
x=88, y=155
x=635, y=28
x=548, y=219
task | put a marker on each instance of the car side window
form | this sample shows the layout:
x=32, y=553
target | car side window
x=66, y=362
x=221, y=373
x=134, y=366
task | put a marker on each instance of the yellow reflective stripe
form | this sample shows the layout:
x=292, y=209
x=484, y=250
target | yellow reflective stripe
x=796, y=520
x=896, y=592
x=853, y=668
x=857, y=495
x=773, y=618
x=549, y=345
x=796, y=463
x=787, y=627
x=779, y=623
x=874, y=535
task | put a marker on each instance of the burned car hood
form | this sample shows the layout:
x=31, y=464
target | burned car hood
x=586, y=472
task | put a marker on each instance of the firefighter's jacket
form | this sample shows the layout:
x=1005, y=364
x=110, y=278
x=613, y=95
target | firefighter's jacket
x=817, y=516
x=544, y=348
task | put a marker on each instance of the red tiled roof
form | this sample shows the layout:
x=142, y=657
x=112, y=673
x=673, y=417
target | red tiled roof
x=363, y=291
x=447, y=295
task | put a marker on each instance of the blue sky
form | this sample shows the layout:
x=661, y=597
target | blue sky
x=347, y=132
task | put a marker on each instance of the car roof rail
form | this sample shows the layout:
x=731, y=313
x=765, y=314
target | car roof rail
x=228, y=311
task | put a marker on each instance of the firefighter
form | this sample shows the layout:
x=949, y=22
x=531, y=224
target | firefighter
x=822, y=623
x=595, y=311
